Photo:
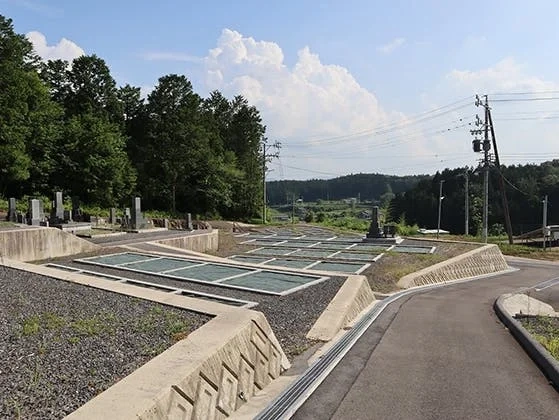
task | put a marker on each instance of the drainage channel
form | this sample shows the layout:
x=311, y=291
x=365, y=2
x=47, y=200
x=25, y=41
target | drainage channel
x=293, y=397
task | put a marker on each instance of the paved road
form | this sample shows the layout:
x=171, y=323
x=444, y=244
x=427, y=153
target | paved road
x=441, y=354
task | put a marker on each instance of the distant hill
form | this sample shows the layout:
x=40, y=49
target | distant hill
x=368, y=187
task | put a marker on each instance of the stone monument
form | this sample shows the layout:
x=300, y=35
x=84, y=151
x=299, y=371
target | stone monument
x=34, y=212
x=76, y=211
x=12, y=212
x=112, y=216
x=189, y=225
x=57, y=213
x=137, y=218
x=374, y=229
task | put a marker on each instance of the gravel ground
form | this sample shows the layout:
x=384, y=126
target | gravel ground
x=61, y=343
x=290, y=316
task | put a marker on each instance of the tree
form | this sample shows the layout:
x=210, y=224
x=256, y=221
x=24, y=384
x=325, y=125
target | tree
x=28, y=119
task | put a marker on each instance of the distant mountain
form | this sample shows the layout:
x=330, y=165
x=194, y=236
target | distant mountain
x=366, y=187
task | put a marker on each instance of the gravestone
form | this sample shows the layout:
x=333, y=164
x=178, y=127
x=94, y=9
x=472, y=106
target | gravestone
x=112, y=216
x=76, y=211
x=137, y=218
x=12, y=216
x=189, y=225
x=67, y=216
x=374, y=229
x=126, y=217
x=34, y=212
x=57, y=213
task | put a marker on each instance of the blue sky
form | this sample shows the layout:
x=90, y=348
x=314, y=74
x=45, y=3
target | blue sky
x=322, y=72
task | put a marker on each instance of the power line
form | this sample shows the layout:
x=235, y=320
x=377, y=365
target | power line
x=390, y=127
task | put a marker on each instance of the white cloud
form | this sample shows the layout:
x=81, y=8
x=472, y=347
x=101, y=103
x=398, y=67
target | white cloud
x=170, y=56
x=391, y=46
x=507, y=75
x=327, y=122
x=65, y=49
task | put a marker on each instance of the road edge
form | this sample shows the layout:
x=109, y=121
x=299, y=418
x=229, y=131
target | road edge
x=547, y=364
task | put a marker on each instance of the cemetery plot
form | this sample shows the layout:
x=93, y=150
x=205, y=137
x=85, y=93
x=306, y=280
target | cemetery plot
x=283, y=262
x=183, y=292
x=413, y=249
x=272, y=251
x=253, y=279
x=354, y=256
x=315, y=253
x=369, y=248
x=341, y=267
x=250, y=259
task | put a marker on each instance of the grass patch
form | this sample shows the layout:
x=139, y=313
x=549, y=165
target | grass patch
x=545, y=330
x=30, y=326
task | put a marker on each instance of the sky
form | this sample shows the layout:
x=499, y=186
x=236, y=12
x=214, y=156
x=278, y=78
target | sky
x=354, y=86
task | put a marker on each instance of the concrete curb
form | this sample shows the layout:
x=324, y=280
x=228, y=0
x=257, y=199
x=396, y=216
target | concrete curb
x=354, y=295
x=548, y=365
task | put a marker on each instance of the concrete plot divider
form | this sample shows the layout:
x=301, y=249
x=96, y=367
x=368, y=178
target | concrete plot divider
x=483, y=260
x=208, y=375
x=34, y=244
x=353, y=297
x=198, y=242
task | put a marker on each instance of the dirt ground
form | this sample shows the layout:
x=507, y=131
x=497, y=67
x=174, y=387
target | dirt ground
x=382, y=275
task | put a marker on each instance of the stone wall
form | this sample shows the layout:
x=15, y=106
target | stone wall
x=484, y=260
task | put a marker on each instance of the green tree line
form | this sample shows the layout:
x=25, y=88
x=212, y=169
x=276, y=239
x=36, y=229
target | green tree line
x=369, y=187
x=525, y=187
x=69, y=127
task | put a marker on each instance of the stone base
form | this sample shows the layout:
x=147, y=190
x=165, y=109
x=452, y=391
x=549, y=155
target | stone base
x=382, y=241
x=72, y=227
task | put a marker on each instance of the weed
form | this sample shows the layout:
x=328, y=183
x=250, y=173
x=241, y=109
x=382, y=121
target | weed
x=31, y=326
x=73, y=340
x=53, y=321
x=88, y=326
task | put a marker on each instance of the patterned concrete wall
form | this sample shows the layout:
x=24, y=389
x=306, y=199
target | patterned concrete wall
x=212, y=373
x=484, y=260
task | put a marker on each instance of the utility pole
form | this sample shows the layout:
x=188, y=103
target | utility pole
x=486, y=147
x=293, y=209
x=267, y=157
x=477, y=144
x=504, y=200
x=544, y=224
x=466, y=205
x=440, y=205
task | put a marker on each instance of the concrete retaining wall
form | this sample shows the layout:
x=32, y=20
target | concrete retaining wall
x=484, y=260
x=27, y=244
x=216, y=370
x=354, y=296
x=202, y=242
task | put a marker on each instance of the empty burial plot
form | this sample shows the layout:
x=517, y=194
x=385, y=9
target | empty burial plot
x=224, y=275
x=354, y=256
x=369, y=248
x=249, y=259
x=272, y=251
x=154, y=286
x=314, y=253
x=306, y=264
x=413, y=249
x=62, y=343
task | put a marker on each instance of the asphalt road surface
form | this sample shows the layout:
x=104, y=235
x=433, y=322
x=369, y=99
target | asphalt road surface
x=441, y=354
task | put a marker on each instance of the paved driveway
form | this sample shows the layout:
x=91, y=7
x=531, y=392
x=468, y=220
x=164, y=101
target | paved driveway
x=441, y=354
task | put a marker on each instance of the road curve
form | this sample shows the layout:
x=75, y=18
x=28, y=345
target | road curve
x=440, y=354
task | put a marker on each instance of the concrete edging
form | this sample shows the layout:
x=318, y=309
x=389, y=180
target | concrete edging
x=538, y=353
x=354, y=296
x=484, y=260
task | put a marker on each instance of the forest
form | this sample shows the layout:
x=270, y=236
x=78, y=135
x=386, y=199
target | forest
x=69, y=127
x=525, y=188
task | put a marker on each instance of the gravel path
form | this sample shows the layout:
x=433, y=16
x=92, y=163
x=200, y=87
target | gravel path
x=290, y=316
x=61, y=343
